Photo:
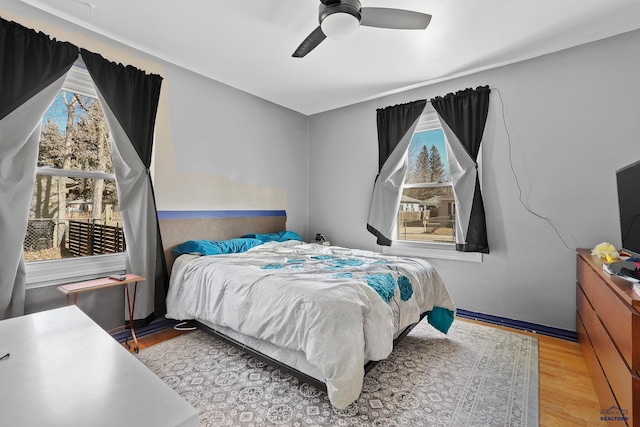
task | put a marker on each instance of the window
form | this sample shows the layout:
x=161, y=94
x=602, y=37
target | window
x=74, y=208
x=427, y=207
x=426, y=222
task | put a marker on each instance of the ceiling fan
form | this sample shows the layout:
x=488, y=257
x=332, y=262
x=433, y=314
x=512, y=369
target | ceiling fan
x=339, y=19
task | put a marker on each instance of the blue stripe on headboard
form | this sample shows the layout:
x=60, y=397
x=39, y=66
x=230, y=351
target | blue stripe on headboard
x=216, y=214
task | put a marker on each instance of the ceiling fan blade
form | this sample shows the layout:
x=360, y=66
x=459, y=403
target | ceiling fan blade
x=310, y=43
x=394, y=18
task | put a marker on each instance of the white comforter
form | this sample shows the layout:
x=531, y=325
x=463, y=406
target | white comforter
x=339, y=306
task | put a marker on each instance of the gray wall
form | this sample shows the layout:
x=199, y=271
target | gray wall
x=230, y=150
x=216, y=148
x=573, y=120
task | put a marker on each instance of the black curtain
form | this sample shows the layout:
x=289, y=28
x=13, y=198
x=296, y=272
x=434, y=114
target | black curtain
x=393, y=124
x=31, y=61
x=133, y=96
x=465, y=112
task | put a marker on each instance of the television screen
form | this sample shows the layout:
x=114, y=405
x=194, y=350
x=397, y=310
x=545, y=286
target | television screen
x=628, y=180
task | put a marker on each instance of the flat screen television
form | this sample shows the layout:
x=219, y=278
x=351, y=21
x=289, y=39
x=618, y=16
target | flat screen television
x=628, y=182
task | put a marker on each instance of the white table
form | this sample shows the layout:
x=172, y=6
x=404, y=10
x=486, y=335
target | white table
x=64, y=370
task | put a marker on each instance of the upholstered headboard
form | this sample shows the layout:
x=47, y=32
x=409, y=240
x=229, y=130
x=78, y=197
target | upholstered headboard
x=177, y=227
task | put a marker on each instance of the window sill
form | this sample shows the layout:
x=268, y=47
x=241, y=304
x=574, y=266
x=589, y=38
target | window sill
x=56, y=272
x=430, y=250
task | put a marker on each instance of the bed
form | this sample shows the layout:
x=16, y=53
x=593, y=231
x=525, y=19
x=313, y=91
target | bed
x=322, y=312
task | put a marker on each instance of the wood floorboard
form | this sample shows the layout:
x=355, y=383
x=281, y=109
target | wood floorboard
x=566, y=394
x=158, y=337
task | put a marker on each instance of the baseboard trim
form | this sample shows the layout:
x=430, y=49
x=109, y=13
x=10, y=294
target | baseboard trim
x=519, y=324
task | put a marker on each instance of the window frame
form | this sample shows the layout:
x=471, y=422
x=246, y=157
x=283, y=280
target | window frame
x=429, y=121
x=55, y=272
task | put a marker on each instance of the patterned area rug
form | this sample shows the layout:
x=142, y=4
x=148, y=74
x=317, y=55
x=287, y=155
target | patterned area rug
x=473, y=376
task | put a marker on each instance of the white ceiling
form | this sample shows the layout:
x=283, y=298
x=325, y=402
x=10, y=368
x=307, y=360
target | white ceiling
x=247, y=44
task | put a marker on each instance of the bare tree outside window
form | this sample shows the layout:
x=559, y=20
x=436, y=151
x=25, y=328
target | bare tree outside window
x=74, y=209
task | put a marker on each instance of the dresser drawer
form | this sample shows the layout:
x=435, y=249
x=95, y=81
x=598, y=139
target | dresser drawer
x=620, y=321
x=620, y=379
x=600, y=383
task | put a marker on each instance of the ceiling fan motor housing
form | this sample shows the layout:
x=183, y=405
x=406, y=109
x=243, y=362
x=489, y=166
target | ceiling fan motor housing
x=352, y=7
x=340, y=19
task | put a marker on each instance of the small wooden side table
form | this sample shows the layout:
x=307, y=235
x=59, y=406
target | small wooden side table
x=107, y=282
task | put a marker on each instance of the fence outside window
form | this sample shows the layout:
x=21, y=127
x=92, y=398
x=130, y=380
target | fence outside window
x=431, y=229
x=73, y=238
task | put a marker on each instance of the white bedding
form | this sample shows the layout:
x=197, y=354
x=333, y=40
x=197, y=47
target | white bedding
x=327, y=302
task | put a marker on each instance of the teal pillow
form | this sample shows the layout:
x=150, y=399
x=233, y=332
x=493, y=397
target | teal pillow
x=197, y=247
x=216, y=247
x=280, y=236
x=234, y=246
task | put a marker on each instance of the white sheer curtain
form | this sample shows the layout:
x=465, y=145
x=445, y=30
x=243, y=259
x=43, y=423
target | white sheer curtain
x=463, y=179
x=20, y=132
x=32, y=71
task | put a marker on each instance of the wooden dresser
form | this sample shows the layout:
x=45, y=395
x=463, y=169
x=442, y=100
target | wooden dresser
x=608, y=328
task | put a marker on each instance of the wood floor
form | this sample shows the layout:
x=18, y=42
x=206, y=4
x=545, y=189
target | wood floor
x=567, y=397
